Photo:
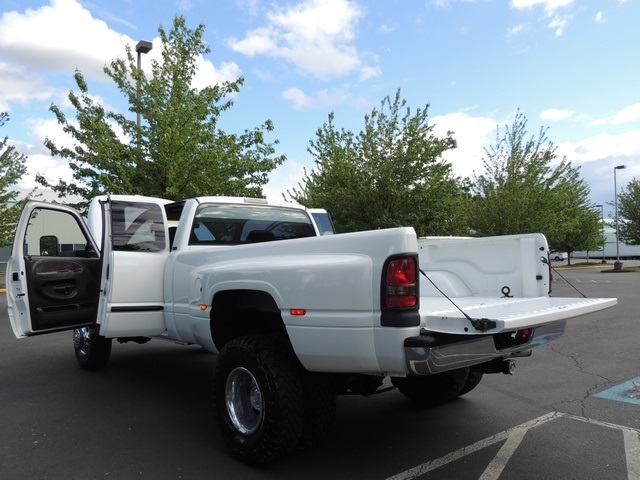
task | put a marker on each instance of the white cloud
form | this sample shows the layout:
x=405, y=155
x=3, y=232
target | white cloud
x=369, y=71
x=60, y=37
x=299, y=99
x=19, y=84
x=559, y=23
x=64, y=36
x=603, y=147
x=517, y=30
x=207, y=74
x=628, y=114
x=600, y=18
x=555, y=114
x=550, y=6
x=597, y=155
x=39, y=160
x=315, y=35
x=321, y=99
x=252, y=7
x=185, y=5
x=472, y=134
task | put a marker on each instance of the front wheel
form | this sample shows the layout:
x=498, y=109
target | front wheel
x=92, y=349
x=258, y=398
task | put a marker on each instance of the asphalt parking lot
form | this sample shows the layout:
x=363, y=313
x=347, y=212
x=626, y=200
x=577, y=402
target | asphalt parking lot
x=571, y=411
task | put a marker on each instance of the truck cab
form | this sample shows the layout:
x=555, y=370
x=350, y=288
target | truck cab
x=108, y=271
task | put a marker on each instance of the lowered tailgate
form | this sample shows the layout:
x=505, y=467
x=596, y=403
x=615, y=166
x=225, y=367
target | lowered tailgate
x=503, y=314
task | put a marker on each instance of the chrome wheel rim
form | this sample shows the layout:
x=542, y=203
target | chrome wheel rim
x=243, y=399
x=82, y=341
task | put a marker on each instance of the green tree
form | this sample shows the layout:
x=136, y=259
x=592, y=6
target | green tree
x=390, y=174
x=12, y=168
x=629, y=213
x=178, y=151
x=525, y=189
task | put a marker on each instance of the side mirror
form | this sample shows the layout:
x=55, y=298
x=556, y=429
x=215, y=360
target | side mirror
x=49, y=245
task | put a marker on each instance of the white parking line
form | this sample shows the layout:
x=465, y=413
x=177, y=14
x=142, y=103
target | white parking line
x=631, y=443
x=514, y=436
x=495, y=468
x=632, y=447
x=464, y=451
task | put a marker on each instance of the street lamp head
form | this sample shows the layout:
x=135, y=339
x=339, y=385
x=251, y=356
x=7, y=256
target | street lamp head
x=145, y=47
x=597, y=206
x=619, y=167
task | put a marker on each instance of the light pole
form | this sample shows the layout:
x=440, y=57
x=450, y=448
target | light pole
x=604, y=240
x=617, y=265
x=142, y=47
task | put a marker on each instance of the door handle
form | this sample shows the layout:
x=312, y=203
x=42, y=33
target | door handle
x=63, y=289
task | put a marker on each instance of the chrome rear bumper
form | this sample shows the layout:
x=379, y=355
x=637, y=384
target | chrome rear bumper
x=431, y=353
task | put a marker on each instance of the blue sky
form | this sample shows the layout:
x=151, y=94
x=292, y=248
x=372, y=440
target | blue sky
x=567, y=65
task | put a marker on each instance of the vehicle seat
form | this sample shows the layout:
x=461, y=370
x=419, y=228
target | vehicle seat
x=257, y=236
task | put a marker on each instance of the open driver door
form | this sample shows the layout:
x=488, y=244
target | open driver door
x=55, y=273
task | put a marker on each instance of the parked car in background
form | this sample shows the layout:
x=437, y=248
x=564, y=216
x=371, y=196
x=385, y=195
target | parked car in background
x=557, y=256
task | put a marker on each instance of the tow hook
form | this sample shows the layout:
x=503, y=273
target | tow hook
x=508, y=367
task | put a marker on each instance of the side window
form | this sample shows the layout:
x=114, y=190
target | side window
x=324, y=223
x=55, y=234
x=137, y=227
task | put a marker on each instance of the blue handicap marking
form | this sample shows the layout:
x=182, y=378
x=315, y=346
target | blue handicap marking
x=625, y=392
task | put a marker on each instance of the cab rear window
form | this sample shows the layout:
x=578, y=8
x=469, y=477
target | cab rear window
x=238, y=224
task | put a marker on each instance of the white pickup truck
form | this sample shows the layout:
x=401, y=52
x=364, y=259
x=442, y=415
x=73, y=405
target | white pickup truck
x=295, y=317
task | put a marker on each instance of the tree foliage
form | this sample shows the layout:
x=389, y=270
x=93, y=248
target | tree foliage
x=12, y=168
x=525, y=189
x=179, y=151
x=390, y=174
x=629, y=213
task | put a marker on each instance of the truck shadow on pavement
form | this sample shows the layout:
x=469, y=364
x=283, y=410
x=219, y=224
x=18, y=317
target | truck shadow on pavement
x=145, y=383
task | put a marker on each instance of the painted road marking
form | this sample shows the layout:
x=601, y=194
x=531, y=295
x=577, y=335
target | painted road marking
x=625, y=392
x=463, y=452
x=632, y=447
x=497, y=465
x=514, y=436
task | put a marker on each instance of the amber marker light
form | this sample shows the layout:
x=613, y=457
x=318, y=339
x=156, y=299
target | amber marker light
x=203, y=307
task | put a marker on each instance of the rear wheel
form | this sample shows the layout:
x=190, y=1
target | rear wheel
x=92, y=350
x=471, y=383
x=433, y=389
x=258, y=398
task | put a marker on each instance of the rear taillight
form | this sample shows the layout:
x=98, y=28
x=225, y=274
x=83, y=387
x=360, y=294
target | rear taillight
x=400, y=288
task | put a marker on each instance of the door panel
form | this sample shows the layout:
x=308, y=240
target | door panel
x=62, y=292
x=53, y=275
